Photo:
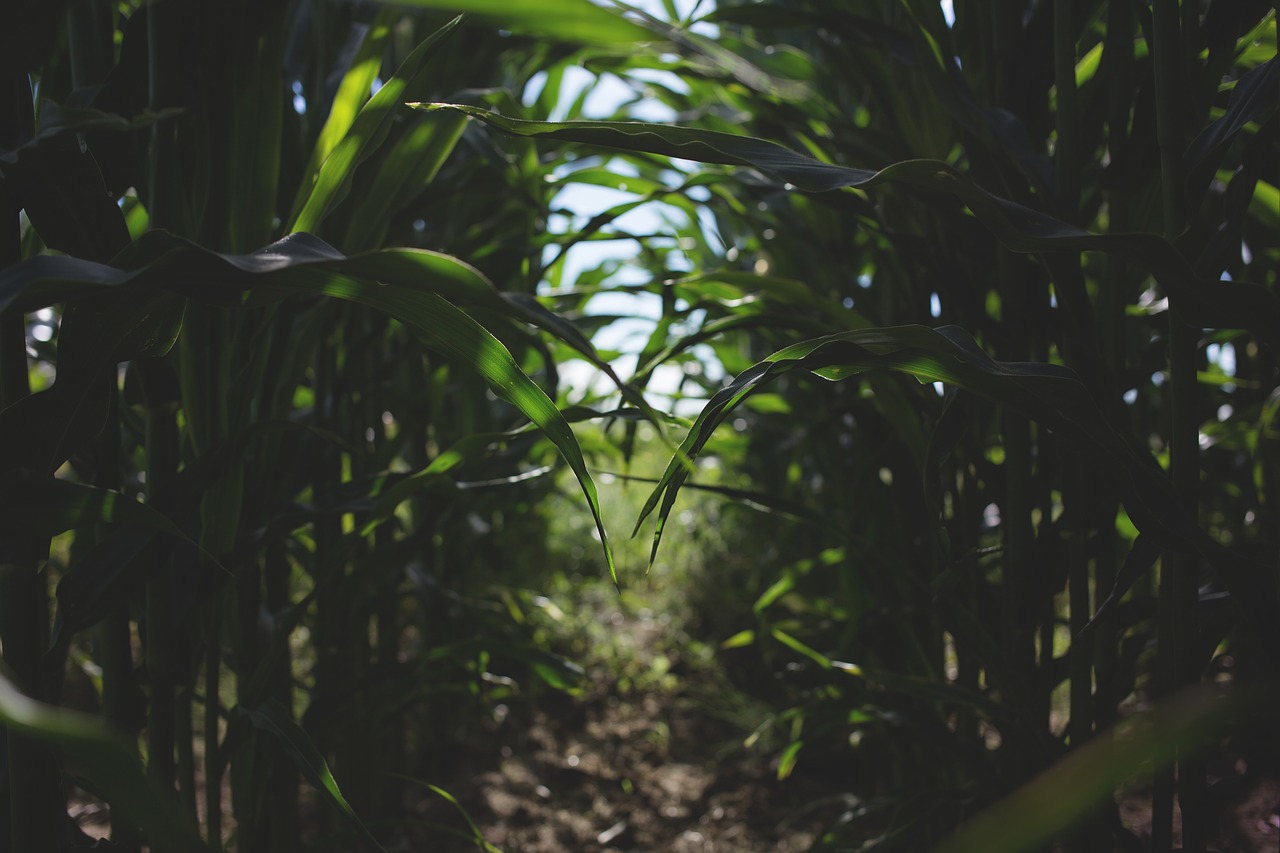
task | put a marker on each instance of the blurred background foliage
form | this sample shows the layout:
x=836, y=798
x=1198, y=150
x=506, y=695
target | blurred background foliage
x=318, y=409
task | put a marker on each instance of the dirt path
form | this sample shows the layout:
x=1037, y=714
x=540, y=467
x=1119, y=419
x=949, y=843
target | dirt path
x=636, y=762
x=615, y=775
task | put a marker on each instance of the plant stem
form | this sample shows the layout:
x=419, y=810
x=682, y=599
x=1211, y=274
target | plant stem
x=35, y=798
x=161, y=640
x=1178, y=590
x=212, y=757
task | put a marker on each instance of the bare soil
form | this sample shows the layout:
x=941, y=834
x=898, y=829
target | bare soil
x=613, y=775
x=655, y=765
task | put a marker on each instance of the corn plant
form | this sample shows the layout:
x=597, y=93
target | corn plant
x=996, y=295
x=262, y=422
x=1032, y=251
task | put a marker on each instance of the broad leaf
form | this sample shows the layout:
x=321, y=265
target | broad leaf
x=108, y=761
x=273, y=718
x=570, y=20
x=416, y=287
x=1050, y=394
x=365, y=133
x=1224, y=304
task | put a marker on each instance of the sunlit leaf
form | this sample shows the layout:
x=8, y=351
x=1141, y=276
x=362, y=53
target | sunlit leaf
x=571, y=20
x=1215, y=303
x=413, y=286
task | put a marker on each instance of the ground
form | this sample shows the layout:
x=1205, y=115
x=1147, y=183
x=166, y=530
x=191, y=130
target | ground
x=660, y=769
x=613, y=775
x=650, y=756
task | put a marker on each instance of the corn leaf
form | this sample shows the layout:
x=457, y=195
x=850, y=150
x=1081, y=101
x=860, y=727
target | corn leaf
x=1222, y=304
x=108, y=762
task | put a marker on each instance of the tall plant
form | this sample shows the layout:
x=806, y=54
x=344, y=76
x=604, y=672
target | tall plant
x=260, y=415
x=1059, y=217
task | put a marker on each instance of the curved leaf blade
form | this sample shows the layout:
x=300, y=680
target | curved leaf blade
x=108, y=761
x=366, y=132
x=414, y=286
x=1222, y=304
x=1050, y=394
x=49, y=506
x=273, y=718
x=571, y=20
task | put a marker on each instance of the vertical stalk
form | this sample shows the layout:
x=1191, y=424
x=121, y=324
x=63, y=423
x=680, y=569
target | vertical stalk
x=35, y=797
x=123, y=703
x=161, y=640
x=331, y=670
x=249, y=780
x=1118, y=59
x=1066, y=154
x=283, y=789
x=212, y=759
x=1177, y=663
x=1079, y=489
x=1018, y=536
x=89, y=34
x=184, y=742
x=1017, y=604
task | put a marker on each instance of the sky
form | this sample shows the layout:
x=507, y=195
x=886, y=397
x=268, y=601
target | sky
x=606, y=93
x=627, y=336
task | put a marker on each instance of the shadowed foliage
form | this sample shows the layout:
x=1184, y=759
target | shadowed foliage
x=973, y=307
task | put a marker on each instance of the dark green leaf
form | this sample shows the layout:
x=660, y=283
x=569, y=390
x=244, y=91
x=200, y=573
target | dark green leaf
x=274, y=718
x=413, y=286
x=1224, y=304
x=1050, y=394
x=108, y=761
x=571, y=20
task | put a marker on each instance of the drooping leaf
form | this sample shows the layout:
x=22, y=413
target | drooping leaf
x=48, y=505
x=101, y=580
x=416, y=287
x=274, y=718
x=1214, y=303
x=108, y=762
x=1254, y=96
x=1050, y=394
x=571, y=20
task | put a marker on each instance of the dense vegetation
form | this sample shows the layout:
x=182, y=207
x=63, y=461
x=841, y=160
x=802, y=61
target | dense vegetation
x=979, y=321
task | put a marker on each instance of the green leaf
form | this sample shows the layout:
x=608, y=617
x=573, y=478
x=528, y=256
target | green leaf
x=365, y=134
x=796, y=646
x=1050, y=394
x=352, y=92
x=108, y=761
x=38, y=505
x=100, y=581
x=776, y=590
x=569, y=20
x=454, y=334
x=414, y=286
x=476, y=835
x=787, y=761
x=742, y=638
x=411, y=164
x=1041, y=810
x=273, y=718
x=1221, y=304
x=433, y=477
x=1254, y=96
